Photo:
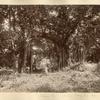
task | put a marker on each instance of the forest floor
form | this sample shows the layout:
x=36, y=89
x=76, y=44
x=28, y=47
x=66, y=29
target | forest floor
x=62, y=81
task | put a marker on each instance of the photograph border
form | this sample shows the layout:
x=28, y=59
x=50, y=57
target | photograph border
x=49, y=96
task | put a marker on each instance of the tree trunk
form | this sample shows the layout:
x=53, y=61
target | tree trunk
x=22, y=56
x=20, y=65
x=30, y=58
x=16, y=58
x=61, y=58
x=25, y=56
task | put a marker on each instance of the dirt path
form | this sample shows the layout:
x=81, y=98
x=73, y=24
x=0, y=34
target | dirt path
x=71, y=81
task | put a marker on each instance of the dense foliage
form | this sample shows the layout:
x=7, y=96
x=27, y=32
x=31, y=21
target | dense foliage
x=64, y=34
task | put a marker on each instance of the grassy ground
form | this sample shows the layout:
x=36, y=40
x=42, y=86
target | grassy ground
x=63, y=81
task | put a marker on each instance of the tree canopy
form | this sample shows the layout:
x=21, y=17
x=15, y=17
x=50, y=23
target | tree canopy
x=65, y=33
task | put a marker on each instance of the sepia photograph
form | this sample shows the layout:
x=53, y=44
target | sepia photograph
x=50, y=48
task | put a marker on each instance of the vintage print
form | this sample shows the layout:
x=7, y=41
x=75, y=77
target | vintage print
x=50, y=48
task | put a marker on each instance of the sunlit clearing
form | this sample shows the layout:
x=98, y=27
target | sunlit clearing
x=34, y=48
x=6, y=24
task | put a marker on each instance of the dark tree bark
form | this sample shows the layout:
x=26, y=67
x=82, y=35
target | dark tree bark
x=30, y=58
